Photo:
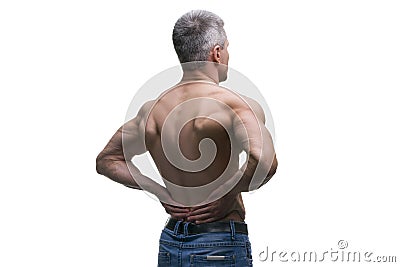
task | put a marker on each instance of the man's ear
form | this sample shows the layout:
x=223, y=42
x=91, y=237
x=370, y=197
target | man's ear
x=216, y=54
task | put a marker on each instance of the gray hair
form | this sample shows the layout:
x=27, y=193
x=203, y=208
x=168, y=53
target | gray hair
x=196, y=33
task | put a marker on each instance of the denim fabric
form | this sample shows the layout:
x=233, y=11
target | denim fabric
x=206, y=249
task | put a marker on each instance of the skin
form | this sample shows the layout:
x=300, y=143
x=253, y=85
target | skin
x=143, y=133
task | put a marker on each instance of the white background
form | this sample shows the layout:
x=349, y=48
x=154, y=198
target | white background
x=329, y=71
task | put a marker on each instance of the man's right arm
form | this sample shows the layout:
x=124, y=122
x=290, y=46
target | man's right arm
x=254, y=138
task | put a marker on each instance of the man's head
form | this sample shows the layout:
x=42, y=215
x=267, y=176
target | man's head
x=199, y=35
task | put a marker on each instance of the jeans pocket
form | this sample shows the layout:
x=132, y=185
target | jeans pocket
x=211, y=260
x=164, y=259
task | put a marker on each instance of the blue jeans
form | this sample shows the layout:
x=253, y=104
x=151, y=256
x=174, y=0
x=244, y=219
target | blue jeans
x=206, y=249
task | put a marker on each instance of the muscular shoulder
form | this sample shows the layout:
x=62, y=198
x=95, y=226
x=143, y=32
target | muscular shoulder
x=138, y=123
x=241, y=103
x=256, y=107
x=146, y=108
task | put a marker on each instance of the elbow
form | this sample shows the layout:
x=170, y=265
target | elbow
x=267, y=163
x=266, y=169
x=273, y=167
x=100, y=164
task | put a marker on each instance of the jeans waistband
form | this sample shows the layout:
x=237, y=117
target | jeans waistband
x=188, y=228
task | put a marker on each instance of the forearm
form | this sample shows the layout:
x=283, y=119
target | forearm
x=250, y=176
x=271, y=172
x=116, y=170
x=128, y=174
x=244, y=177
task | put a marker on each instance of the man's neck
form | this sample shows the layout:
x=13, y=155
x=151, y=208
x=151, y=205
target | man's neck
x=192, y=76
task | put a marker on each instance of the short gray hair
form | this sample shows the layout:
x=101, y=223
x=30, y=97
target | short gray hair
x=196, y=33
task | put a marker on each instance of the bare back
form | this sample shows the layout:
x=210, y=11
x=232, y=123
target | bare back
x=194, y=133
x=179, y=121
x=176, y=128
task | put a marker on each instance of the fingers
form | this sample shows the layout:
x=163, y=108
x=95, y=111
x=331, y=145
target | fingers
x=175, y=208
x=201, y=217
x=204, y=218
x=205, y=214
x=201, y=210
x=201, y=214
x=176, y=212
x=212, y=211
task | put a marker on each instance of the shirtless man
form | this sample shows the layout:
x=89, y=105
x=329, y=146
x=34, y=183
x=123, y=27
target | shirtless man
x=213, y=231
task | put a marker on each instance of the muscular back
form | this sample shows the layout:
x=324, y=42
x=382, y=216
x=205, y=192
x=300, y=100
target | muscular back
x=179, y=131
x=190, y=133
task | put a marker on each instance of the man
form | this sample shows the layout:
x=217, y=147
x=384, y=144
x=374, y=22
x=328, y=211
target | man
x=195, y=132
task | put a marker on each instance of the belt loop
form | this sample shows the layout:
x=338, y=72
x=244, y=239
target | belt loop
x=176, y=227
x=185, y=228
x=232, y=225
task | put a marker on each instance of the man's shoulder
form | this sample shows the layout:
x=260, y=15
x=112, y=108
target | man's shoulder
x=255, y=107
x=146, y=108
x=245, y=103
x=239, y=100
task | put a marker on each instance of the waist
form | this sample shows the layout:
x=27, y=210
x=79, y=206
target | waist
x=213, y=227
